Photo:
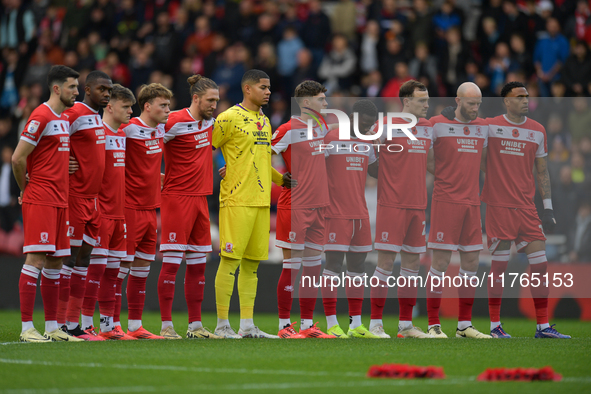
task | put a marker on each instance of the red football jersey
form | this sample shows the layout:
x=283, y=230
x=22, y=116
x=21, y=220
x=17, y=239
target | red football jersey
x=457, y=147
x=346, y=167
x=305, y=161
x=510, y=159
x=402, y=173
x=112, y=194
x=187, y=155
x=143, y=162
x=47, y=165
x=87, y=145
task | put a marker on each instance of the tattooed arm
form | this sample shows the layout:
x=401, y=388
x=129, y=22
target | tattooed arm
x=543, y=177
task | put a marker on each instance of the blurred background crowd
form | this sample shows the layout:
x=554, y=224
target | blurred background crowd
x=364, y=48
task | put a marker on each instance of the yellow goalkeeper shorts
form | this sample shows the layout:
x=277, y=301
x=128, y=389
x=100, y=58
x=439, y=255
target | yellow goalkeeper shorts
x=244, y=232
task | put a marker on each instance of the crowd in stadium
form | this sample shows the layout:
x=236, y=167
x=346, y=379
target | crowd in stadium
x=357, y=48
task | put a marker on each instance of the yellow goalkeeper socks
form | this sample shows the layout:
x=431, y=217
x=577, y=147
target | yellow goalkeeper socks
x=247, y=287
x=224, y=285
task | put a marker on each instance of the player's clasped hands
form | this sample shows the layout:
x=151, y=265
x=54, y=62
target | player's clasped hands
x=288, y=181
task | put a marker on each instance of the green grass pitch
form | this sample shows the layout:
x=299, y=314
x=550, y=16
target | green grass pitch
x=269, y=366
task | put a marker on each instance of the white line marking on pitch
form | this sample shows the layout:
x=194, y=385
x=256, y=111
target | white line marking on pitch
x=181, y=368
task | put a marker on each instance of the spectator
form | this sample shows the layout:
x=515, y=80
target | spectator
x=165, y=43
x=565, y=197
x=338, y=65
x=343, y=19
x=452, y=61
x=577, y=70
x=216, y=57
x=550, y=53
x=392, y=87
x=287, y=51
x=490, y=39
x=305, y=70
x=446, y=18
x=515, y=20
x=392, y=55
x=521, y=56
x=369, y=47
x=499, y=65
x=12, y=71
x=266, y=60
x=423, y=66
x=290, y=19
x=420, y=26
x=579, y=120
x=581, y=236
x=17, y=25
x=389, y=16
x=9, y=192
x=372, y=84
x=316, y=31
x=200, y=42
x=228, y=76
x=266, y=31
x=580, y=175
x=579, y=24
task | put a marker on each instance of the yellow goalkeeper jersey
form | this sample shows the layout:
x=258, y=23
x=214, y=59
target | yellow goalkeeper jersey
x=244, y=137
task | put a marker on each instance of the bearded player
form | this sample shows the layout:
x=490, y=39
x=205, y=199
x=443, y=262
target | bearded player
x=87, y=139
x=144, y=143
x=458, y=146
x=518, y=148
x=301, y=211
x=185, y=214
x=43, y=154
x=402, y=200
x=348, y=229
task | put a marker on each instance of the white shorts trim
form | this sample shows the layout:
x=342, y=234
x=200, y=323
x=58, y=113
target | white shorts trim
x=88, y=240
x=118, y=253
x=75, y=242
x=314, y=246
x=39, y=249
x=388, y=247
x=470, y=248
x=171, y=247
x=336, y=248
x=128, y=258
x=61, y=253
x=101, y=252
x=414, y=249
x=145, y=256
x=521, y=245
x=438, y=246
x=361, y=249
x=200, y=248
x=287, y=245
x=494, y=246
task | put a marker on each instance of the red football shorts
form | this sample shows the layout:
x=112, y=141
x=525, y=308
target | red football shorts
x=455, y=227
x=400, y=229
x=185, y=224
x=300, y=228
x=348, y=235
x=142, y=228
x=46, y=230
x=85, y=220
x=522, y=226
x=112, y=239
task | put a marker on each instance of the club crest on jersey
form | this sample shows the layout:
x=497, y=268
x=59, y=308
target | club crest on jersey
x=466, y=130
x=439, y=237
x=172, y=237
x=531, y=135
x=425, y=132
x=33, y=126
x=289, y=288
x=229, y=248
x=44, y=238
x=332, y=238
x=70, y=231
x=385, y=237
x=292, y=236
x=479, y=131
x=515, y=133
